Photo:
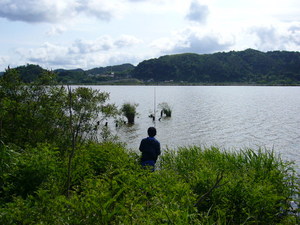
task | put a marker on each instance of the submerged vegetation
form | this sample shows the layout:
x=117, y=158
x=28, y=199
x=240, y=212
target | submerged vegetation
x=165, y=109
x=129, y=111
x=55, y=169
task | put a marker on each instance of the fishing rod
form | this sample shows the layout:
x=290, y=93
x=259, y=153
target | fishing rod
x=154, y=106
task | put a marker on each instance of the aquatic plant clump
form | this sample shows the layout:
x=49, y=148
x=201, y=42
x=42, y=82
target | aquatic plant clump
x=165, y=109
x=129, y=111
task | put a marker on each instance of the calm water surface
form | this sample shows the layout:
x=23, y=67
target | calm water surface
x=230, y=117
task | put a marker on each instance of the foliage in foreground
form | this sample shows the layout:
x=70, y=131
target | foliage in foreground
x=245, y=187
x=192, y=186
x=43, y=111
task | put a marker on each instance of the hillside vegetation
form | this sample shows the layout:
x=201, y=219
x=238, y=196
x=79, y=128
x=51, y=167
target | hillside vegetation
x=249, y=67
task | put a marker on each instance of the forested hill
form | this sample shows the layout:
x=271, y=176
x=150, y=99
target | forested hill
x=31, y=72
x=235, y=67
x=95, y=75
x=248, y=67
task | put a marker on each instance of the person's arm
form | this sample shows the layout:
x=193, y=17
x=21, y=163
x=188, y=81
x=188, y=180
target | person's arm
x=141, y=148
x=158, y=148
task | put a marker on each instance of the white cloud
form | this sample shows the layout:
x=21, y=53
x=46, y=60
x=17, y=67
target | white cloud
x=281, y=37
x=103, y=43
x=195, y=41
x=78, y=37
x=56, y=30
x=81, y=53
x=103, y=10
x=45, y=55
x=54, y=11
x=120, y=58
x=34, y=11
x=152, y=1
x=4, y=62
x=198, y=12
x=294, y=34
x=266, y=37
x=126, y=41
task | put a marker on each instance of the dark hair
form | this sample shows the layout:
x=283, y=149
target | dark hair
x=151, y=131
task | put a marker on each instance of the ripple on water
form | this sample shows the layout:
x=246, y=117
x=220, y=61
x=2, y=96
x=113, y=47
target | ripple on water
x=229, y=117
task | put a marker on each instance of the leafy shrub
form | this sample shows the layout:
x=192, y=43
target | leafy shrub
x=33, y=167
x=238, y=187
x=129, y=111
x=115, y=189
x=165, y=109
x=43, y=111
x=191, y=186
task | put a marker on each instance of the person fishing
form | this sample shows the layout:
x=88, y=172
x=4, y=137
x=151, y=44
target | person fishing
x=150, y=148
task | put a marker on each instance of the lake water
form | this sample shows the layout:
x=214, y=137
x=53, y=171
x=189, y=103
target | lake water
x=229, y=117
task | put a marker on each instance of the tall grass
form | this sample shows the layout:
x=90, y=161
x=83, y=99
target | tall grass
x=193, y=186
x=253, y=186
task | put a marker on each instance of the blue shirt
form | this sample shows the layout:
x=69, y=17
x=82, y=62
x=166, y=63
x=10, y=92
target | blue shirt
x=150, y=148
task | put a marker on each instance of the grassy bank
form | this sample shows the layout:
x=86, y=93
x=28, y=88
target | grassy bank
x=192, y=186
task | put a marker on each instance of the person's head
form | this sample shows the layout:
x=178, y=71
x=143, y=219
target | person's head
x=151, y=131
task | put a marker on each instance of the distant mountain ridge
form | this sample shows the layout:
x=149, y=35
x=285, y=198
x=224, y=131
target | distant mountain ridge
x=249, y=66
x=110, y=69
x=95, y=75
x=244, y=67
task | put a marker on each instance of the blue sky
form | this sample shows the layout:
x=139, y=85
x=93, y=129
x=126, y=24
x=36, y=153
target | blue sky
x=94, y=33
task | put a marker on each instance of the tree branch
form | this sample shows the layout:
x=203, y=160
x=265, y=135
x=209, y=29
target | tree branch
x=216, y=185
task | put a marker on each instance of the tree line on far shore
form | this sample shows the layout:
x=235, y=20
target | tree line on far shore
x=248, y=67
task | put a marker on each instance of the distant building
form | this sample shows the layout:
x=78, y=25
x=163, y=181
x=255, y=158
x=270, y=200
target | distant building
x=110, y=75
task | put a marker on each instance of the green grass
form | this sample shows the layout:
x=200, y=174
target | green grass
x=255, y=186
x=193, y=185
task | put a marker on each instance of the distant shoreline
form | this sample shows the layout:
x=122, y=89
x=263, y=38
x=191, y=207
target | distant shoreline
x=140, y=83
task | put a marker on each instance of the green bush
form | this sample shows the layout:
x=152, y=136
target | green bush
x=236, y=187
x=165, y=109
x=129, y=111
x=32, y=168
x=44, y=112
x=191, y=186
x=108, y=186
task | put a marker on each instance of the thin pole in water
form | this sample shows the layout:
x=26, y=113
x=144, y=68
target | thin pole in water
x=154, y=108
